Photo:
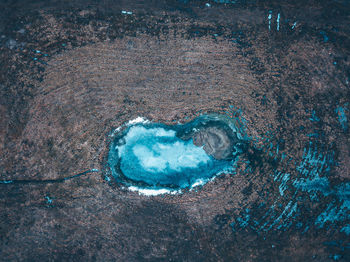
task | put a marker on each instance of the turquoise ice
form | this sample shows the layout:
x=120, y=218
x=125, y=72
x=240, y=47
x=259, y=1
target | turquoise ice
x=152, y=155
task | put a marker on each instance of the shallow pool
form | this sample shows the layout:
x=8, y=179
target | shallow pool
x=151, y=155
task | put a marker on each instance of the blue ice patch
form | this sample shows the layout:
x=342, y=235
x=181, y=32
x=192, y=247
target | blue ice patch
x=151, y=155
x=341, y=112
x=346, y=229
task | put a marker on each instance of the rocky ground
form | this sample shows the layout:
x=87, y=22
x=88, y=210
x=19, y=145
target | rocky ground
x=73, y=71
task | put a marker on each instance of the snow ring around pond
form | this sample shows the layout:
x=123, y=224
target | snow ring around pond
x=154, y=158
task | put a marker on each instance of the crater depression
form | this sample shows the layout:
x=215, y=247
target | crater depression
x=158, y=156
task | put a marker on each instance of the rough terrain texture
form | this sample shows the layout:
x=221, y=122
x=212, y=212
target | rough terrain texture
x=73, y=71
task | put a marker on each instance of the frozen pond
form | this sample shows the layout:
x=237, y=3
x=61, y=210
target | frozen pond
x=159, y=156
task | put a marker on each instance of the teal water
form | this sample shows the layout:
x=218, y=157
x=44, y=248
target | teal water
x=155, y=155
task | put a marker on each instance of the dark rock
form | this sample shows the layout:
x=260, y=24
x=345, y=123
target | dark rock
x=11, y=43
x=216, y=141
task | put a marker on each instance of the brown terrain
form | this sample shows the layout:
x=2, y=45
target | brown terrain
x=72, y=71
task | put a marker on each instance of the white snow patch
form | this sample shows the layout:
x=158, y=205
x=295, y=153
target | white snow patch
x=153, y=192
x=137, y=120
x=199, y=182
x=126, y=12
